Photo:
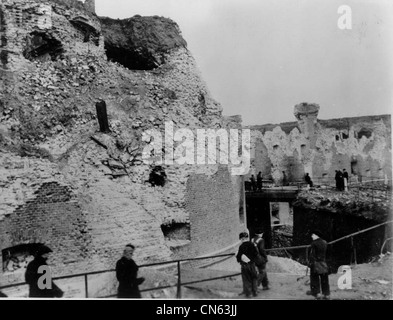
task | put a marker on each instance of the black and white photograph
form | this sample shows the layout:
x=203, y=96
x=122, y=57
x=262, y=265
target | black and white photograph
x=219, y=151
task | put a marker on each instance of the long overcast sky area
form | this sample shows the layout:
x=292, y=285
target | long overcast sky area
x=260, y=58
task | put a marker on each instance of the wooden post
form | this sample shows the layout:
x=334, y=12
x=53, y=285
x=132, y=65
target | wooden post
x=102, y=116
x=178, y=281
x=86, y=287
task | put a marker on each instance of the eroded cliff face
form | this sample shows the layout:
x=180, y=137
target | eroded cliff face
x=84, y=192
x=361, y=145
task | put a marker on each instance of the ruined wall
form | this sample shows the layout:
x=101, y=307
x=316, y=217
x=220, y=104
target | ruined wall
x=361, y=145
x=51, y=149
x=42, y=30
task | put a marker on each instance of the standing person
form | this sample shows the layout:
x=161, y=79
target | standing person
x=259, y=181
x=345, y=177
x=319, y=271
x=127, y=275
x=336, y=177
x=246, y=256
x=284, y=179
x=38, y=288
x=253, y=183
x=308, y=180
x=339, y=180
x=259, y=243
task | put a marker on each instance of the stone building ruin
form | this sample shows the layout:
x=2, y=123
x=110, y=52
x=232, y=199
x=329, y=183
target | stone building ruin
x=86, y=193
x=361, y=145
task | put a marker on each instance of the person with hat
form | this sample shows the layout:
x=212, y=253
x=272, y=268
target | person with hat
x=259, y=243
x=127, y=275
x=35, y=276
x=319, y=271
x=246, y=256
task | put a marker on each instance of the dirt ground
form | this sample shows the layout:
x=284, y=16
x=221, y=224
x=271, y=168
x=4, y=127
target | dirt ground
x=371, y=281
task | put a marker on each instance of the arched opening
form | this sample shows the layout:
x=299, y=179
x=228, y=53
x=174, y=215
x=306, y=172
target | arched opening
x=18, y=257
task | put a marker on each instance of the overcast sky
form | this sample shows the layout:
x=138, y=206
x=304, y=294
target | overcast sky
x=261, y=57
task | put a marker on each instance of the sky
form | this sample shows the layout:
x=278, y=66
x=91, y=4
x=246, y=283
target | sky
x=259, y=58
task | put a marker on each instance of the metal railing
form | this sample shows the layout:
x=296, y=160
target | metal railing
x=178, y=263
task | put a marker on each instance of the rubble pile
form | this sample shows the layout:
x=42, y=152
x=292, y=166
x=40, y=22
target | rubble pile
x=369, y=201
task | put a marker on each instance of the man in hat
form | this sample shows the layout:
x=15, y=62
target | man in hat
x=319, y=271
x=246, y=256
x=35, y=276
x=127, y=275
x=259, y=243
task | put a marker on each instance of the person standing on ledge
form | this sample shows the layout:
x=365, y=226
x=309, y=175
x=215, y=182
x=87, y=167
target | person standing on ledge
x=127, y=275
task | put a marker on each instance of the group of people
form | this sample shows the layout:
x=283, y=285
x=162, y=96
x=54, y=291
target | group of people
x=251, y=255
x=341, y=178
x=253, y=259
x=126, y=274
x=256, y=185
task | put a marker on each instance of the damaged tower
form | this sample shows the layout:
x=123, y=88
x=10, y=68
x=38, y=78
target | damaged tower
x=90, y=5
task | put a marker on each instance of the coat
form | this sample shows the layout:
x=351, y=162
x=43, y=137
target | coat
x=127, y=275
x=260, y=246
x=248, y=249
x=32, y=276
x=317, y=260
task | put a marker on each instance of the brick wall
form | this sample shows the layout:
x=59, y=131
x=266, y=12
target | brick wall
x=213, y=205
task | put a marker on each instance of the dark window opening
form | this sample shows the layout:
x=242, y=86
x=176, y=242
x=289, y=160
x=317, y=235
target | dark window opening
x=18, y=257
x=275, y=147
x=345, y=136
x=176, y=231
x=337, y=137
x=157, y=176
x=88, y=32
x=131, y=59
x=354, y=167
x=364, y=133
x=41, y=46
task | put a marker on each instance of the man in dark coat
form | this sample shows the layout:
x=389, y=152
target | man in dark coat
x=37, y=287
x=246, y=256
x=127, y=275
x=259, y=243
x=253, y=183
x=308, y=180
x=339, y=180
x=259, y=181
x=319, y=271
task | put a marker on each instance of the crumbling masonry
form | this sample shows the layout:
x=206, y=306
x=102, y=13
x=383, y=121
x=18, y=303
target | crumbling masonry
x=86, y=193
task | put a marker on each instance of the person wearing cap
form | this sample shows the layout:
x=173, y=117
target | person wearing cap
x=34, y=276
x=127, y=275
x=246, y=256
x=259, y=243
x=319, y=271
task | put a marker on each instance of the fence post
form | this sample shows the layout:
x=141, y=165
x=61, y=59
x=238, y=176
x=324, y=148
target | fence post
x=86, y=287
x=307, y=255
x=178, y=281
x=354, y=251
